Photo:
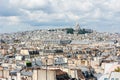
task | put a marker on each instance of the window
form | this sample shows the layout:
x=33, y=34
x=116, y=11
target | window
x=112, y=78
x=106, y=79
x=117, y=79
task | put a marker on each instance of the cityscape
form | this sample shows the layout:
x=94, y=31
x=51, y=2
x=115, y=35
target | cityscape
x=60, y=54
x=59, y=40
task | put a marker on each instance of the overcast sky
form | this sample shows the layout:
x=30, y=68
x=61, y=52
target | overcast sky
x=19, y=15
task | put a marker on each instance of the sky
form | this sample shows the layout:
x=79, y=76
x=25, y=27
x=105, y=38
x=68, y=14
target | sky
x=22, y=15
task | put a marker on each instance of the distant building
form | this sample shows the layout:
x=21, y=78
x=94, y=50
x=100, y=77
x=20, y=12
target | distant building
x=111, y=76
x=77, y=28
x=57, y=41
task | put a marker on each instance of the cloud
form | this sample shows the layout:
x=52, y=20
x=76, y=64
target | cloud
x=113, y=5
x=59, y=12
x=29, y=4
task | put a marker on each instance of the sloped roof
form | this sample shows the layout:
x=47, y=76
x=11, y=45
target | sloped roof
x=80, y=42
x=26, y=73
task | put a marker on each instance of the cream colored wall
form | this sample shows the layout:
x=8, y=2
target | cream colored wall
x=6, y=73
x=1, y=73
x=35, y=75
x=51, y=75
x=24, y=52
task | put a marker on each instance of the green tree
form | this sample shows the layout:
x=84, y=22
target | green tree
x=83, y=31
x=117, y=69
x=69, y=30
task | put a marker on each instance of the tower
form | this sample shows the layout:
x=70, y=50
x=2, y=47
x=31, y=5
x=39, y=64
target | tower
x=77, y=28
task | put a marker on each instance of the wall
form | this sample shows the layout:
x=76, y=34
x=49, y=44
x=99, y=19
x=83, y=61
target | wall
x=42, y=75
